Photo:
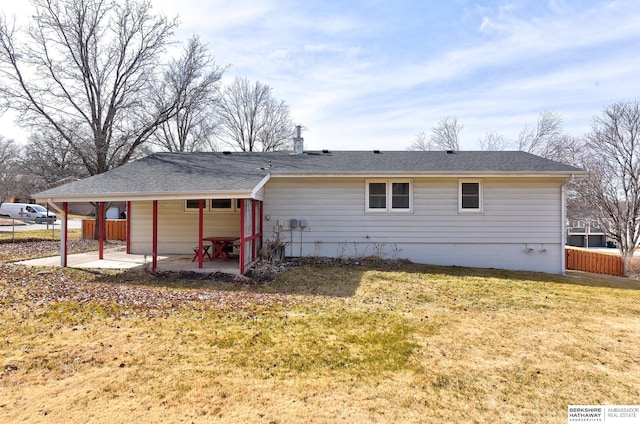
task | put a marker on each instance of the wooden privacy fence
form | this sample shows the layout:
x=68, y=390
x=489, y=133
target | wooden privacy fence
x=599, y=263
x=115, y=229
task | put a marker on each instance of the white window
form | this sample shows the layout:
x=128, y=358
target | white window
x=469, y=196
x=389, y=196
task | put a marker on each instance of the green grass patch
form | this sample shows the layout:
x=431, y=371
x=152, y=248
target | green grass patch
x=345, y=343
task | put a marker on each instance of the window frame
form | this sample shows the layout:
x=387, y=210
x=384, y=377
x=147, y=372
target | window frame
x=186, y=208
x=480, y=208
x=231, y=208
x=388, y=209
x=208, y=206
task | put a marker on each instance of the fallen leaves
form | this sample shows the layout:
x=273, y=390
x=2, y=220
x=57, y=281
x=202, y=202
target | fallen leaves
x=41, y=248
x=155, y=293
x=133, y=290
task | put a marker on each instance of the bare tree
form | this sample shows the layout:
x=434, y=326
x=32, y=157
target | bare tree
x=446, y=134
x=541, y=138
x=612, y=186
x=493, y=141
x=194, y=80
x=49, y=161
x=87, y=69
x=547, y=139
x=251, y=119
x=9, y=169
x=277, y=131
x=422, y=143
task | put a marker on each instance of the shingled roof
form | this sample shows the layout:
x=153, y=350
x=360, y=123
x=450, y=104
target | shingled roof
x=242, y=174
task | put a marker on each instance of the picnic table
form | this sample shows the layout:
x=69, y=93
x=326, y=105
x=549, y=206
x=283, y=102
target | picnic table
x=219, y=245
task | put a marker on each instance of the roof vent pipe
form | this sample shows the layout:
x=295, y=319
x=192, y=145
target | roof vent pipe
x=298, y=141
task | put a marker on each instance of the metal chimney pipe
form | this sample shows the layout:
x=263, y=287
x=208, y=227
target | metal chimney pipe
x=298, y=141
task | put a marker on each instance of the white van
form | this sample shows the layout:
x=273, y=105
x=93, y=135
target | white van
x=28, y=212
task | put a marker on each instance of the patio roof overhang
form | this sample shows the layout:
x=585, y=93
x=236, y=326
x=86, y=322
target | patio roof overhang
x=52, y=196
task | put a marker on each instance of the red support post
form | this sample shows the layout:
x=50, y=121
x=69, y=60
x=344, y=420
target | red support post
x=200, y=231
x=260, y=225
x=242, y=250
x=154, y=263
x=101, y=230
x=128, y=234
x=254, y=245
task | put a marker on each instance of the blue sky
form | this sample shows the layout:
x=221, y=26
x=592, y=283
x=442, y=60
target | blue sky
x=372, y=74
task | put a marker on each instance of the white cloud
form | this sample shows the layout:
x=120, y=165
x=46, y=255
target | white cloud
x=485, y=23
x=509, y=64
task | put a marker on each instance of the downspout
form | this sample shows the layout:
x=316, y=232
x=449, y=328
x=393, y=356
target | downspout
x=563, y=194
x=63, y=230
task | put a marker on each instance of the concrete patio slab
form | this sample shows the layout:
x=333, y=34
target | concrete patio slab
x=117, y=258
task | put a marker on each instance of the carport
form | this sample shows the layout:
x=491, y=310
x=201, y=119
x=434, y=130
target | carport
x=172, y=183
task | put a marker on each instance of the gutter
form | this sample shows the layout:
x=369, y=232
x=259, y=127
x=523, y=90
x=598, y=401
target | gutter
x=396, y=174
x=121, y=197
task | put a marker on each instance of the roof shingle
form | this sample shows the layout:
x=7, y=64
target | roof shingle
x=165, y=173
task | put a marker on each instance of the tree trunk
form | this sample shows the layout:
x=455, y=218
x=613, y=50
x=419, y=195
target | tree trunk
x=96, y=232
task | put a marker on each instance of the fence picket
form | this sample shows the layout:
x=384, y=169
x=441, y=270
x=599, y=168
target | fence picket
x=115, y=229
x=598, y=263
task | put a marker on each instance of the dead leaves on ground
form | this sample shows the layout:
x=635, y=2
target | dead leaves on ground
x=142, y=292
x=41, y=248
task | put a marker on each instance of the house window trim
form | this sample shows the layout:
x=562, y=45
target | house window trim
x=389, y=209
x=195, y=210
x=207, y=207
x=223, y=210
x=480, y=208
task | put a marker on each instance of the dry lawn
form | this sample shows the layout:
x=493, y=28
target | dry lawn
x=320, y=343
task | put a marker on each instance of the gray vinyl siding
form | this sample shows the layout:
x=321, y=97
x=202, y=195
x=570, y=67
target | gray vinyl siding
x=520, y=226
x=521, y=219
x=335, y=210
